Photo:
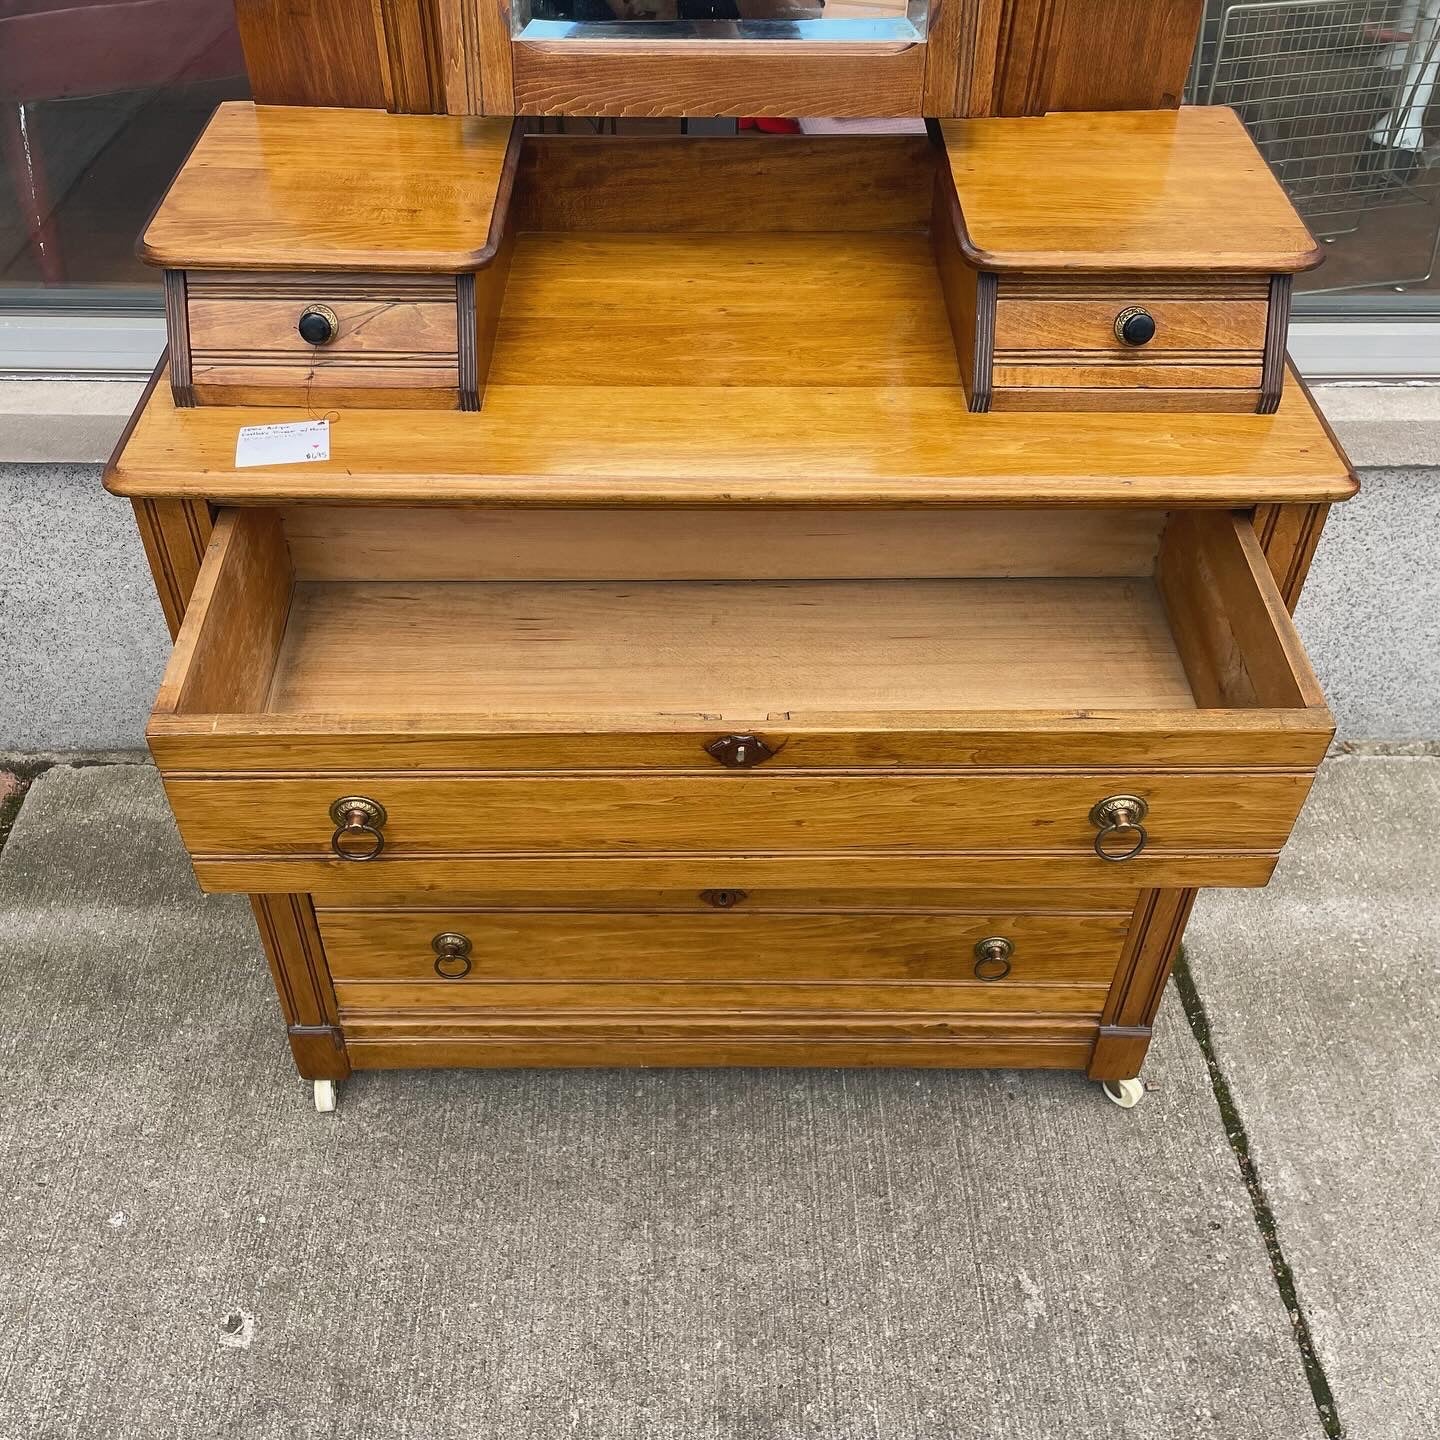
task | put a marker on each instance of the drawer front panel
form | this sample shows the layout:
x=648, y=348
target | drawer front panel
x=739, y=814
x=720, y=946
x=685, y=997
x=392, y=332
x=1028, y=325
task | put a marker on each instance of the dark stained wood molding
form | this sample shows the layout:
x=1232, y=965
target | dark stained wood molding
x=177, y=328
x=1277, y=329
x=465, y=317
x=987, y=287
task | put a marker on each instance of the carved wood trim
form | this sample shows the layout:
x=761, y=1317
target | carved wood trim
x=1277, y=329
x=177, y=333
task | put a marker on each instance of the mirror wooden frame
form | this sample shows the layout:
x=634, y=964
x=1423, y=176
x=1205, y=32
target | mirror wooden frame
x=980, y=57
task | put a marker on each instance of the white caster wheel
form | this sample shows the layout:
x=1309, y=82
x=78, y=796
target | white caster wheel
x=324, y=1096
x=1127, y=1094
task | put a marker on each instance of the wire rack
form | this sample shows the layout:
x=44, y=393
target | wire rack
x=1334, y=93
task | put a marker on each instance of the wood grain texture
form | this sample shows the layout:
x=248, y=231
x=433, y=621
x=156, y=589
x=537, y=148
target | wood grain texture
x=758, y=445
x=1192, y=327
x=721, y=77
x=660, y=185
x=1229, y=619
x=1151, y=949
x=1288, y=535
x=723, y=947
x=403, y=881
x=1277, y=331
x=731, y=654
x=394, y=334
x=1017, y=905
x=388, y=1047
x=1168, y=174
x=760, y=813
x=226, y=650
x=177, y=332
x=801, y=308
x=296, y=956
x=334, y=190
x=311, y=52
x=175, y=534
x=415, y=67
x=353, y=542
x=478, y=1000
x=1034, y=56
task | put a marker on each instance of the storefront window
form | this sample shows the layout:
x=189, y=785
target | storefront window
x=99, y=103
x=1339, y=95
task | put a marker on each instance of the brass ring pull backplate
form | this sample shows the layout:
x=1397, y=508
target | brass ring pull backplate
x=1115, y=815
x=357, y=817
x=452, y=955
x=992, y=957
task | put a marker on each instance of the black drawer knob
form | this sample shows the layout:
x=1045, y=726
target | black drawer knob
x=1134, y=326
x=318, y=325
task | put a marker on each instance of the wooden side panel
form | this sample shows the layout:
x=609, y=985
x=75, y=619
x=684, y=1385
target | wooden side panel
x=312, y=52
x=177, y=331
x=703, y=77
x=302, y=983
x=1228, y=618
x=1288, y=535
x=175, y=534
x=342, y=542
x=1033, y=56
x=411, y=36
x=969, y=298
x=669, y=184
x=226, y=650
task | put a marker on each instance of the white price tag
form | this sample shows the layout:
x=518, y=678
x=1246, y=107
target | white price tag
x=289, y=444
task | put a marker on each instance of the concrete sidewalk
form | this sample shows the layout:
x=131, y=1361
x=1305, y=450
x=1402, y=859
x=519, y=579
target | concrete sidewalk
x=743, y=1255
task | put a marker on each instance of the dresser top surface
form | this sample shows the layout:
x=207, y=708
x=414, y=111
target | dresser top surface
x=288, y=188
x=686, y=445
x=1181, y=191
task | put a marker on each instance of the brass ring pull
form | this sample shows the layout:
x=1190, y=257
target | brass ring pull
x=451, y=950
x=357, y=817
x=992, y=957
x=1116, y=815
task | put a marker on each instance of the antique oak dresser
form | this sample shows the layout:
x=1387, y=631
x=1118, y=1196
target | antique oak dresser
x=769, y=599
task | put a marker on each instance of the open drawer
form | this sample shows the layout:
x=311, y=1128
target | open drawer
x=632, y=698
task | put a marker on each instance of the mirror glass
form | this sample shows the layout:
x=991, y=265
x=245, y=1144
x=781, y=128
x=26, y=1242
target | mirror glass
x=829, y=20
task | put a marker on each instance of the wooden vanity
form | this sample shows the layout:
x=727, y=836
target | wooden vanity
x=718, y=684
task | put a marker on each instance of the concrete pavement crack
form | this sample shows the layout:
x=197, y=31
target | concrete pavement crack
x=1235, y=1132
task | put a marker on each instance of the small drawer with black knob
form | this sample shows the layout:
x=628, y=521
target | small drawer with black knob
x=324, y=257
x=387, y=959
x=1136, y=260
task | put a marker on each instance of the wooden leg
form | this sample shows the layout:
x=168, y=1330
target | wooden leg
x=1150, y=952
x=297, y=962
